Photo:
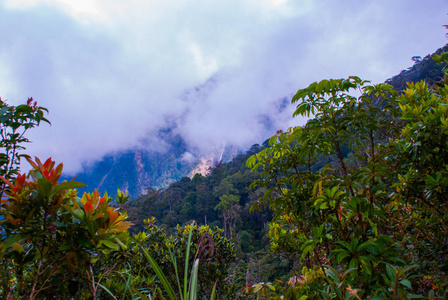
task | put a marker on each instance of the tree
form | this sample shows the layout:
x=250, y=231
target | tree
x=367, y=215
x=15, y=121
x=229, y=209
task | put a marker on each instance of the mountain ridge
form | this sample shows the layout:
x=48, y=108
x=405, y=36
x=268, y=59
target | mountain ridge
x=136, y=170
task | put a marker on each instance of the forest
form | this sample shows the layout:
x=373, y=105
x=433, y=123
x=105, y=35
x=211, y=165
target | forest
x=352, y=205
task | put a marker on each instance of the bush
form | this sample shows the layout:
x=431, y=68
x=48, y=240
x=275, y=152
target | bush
x=52, y=241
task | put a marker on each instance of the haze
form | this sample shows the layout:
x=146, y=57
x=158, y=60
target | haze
x=112, y=73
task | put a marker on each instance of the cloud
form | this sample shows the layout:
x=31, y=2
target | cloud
x=113, y=73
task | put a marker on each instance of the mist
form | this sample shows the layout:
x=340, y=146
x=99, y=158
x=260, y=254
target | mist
x=114, y=73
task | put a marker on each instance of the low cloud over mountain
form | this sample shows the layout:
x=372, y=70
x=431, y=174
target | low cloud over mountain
x=114, y=73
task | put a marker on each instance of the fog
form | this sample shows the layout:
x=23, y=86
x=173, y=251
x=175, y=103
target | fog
x=113, y=73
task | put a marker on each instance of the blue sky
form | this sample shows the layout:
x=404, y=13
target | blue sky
x=113, y=72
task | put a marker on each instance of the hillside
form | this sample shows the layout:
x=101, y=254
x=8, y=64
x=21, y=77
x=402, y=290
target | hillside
x=201, y=198
x=423, y=69
x=135, y=170
x=177, y=196
x=351, y=205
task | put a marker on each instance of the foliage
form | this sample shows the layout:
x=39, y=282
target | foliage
x=426, y=69
x=55, y=245
x=379, y=207
x=52, y=240
x=205, y=199
x=196, y=199
x=356, y=201
x=15, y=121
x=188, y=290
x=212, y=251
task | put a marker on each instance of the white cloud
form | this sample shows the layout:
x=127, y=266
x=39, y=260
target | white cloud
x=84, y=11
x=113, y=72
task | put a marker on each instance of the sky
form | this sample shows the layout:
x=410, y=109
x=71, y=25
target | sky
x=113, y=73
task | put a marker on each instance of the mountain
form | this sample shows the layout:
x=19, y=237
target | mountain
x=204, y=199
x=136, y=170
x=197, y=197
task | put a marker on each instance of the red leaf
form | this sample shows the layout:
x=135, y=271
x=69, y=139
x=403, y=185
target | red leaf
x=88, y=208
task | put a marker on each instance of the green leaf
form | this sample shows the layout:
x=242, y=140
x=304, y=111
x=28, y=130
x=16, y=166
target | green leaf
x=160, y=275
x=110, y=244
x=373, y=225
x=390, y=272
x=365, y=245
x=406, y=283
x=345, y=244
x=366, y=264
x=187, y=257
x=354, y=245
x=107, y=290
x=68, y=185
x=308, y=249
x=44, y=187
x=123, y=246
x=17, y=247
x=65, y=246
x=273, y=140
x=347, y=272
x=76, y=213
x=11, y=240
x=317, y=231
x=408, y=268
x=194, y=280
x=213, y=296
x=251, y=161
x=23, y=109
x=354, y=263
x=343, y=254
x=414, y=296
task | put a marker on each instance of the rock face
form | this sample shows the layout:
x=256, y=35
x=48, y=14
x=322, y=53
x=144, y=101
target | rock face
x=203, y=166
x=134, y=171
x=205, y=163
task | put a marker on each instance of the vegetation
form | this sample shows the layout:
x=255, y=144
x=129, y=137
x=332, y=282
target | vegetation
x=374, y=221
x=56, y=245
x=352, y=205
x=15, y=121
